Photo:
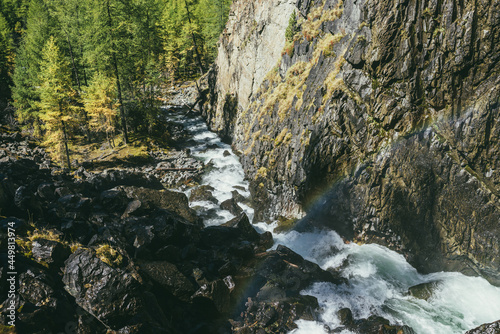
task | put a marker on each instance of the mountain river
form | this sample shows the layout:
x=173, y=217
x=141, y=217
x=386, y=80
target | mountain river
x=379, y=278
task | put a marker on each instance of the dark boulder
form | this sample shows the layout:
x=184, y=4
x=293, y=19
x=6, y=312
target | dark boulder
x=113, y=200
x=160, y=228
x=379, y=325
x=425, y=290
x=217, y=236
x=41, y=306
x=46, y=191
x=276, y=317
x=115, y=296
x=51, y=252
x=491, y=328
x=238, y=198
x=168, y=277
x=214, y=295
x=162, y=199
x=132, y=207
x=203, y=193
x=242, y=224
x=292, y=272
x=231, y=206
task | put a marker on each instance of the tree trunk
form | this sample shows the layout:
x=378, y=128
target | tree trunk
x=118, y=85
x=77, y=78
x=198, y=58
x=66, y=144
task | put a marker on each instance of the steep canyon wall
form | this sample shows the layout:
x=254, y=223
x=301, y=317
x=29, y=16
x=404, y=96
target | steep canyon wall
x=380, y=119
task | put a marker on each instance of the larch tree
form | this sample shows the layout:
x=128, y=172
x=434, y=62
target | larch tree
x=56, y=96
x=100, y=104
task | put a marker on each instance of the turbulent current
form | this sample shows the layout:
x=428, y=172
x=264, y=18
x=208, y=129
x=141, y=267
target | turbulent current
x=379, y=279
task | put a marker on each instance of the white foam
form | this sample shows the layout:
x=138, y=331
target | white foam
x=227, y=171
x=378, y=278
x=378, y=285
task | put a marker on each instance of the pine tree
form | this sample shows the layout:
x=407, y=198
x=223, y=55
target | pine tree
x=100, y=104
x=27, y=65
x=56, y=95
x=6, y=59
x=292, y=28
x=213, y=16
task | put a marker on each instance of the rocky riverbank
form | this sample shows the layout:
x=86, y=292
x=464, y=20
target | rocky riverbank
x=115, y=251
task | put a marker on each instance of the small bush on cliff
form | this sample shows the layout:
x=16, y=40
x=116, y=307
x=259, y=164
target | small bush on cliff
x=292, y=28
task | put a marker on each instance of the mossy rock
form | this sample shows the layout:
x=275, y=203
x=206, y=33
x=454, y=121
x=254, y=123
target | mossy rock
x=285, y=224
x=425, y=290
x=110, y=256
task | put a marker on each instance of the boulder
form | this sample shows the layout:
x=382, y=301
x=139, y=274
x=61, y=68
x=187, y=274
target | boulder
x=162, y=199
x=160, y=228
x=203, y=193
x=168, y=277
x=231, y=206
x=425, y=290
x=51, y=252
x=115, y=296
x=277, y=316
x=216, y=294
x=490, y=328
x=238, y=198
x=244, y=227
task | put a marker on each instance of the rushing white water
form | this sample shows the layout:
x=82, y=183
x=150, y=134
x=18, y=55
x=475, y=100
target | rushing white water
x=378, y=285
x=227, y=173
x=378, y=278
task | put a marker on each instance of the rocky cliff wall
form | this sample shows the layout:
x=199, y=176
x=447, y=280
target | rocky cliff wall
x=386, y=110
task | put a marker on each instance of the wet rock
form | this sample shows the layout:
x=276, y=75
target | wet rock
x=425, y=290
x=226, y=153
x=289, y=270
x=231, y=206
x=345, y=317
x=490, y=328
x=244, y=227
x=215, y=236
x=277, y=316
x=238, y=198
x=203, y=193
x=159, y=229
x=51, y=252
x=379, y=325
x=266, y=240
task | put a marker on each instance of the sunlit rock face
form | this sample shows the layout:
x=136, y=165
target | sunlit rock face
x=380, y=119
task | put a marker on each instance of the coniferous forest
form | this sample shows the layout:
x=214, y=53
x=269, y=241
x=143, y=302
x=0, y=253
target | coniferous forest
x=75, y=70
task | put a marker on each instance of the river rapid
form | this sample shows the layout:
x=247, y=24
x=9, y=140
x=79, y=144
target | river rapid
x=378, y=278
